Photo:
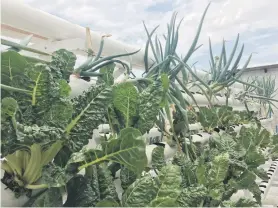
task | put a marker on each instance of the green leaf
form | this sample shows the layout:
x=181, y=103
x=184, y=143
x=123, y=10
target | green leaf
x=263, y=138
x=158, y=160
x=80, y=193
x=165, y=82
x=242, y=202
x=170, y=181
x=38, y=134
x=106, y=185
x=254, y=158
x=107, y=77
x=125, y=98
x=50, y=198
x=9, y=107
x=163, y=202
x=219, y=169
x=187, y=169
x=148, y=106
x=226, y=143
x=107, y=203
x=12, y=65
x=192, y=196
x=55, y=176
x=261, y=173
x=274, y=139
x=140, y=193
x=89, y=111
x=62, y=63
x=201, y=174
x=128, y=150
x=127, y=177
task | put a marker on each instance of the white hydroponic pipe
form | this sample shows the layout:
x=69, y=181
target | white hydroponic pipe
x=51, y=33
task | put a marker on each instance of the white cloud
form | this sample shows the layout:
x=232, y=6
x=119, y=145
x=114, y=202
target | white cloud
x=225, y=18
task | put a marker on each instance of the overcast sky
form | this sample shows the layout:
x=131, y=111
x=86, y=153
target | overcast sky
x=255, y=20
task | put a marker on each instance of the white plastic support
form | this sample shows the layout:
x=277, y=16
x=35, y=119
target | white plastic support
x=19, y=20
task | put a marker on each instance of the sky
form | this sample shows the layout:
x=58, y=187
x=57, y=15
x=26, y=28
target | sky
x=255, y=20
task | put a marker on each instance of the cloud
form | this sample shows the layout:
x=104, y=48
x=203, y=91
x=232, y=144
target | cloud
x=256, y=21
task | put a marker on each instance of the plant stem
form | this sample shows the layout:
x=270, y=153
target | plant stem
x=40, y=186
x=9, y=88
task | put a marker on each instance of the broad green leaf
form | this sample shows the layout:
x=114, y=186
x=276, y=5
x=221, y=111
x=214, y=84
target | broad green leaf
x=12, y=65
x=50, y=198
x=38, y=134
x=106, y=185
x=89, y=111
x=261, y=173
x=274, y=139
x=148, y=106
x=62, y=63
x=217, y=192
x=219, y=169
x=140, y=193
x=107, y=203
x=127, y=177
x=107, y=77
x=263, y=138
x=125, y=98
x=55, y=176
x=9, y=107
x=80, y=193
x=128, y=150
x=59, y=114
x=187, y=169
x=163, y=202
x=246, y=137
x=242, y=202
x=201, y=174
x=227, y=144
x=158, y=160
x=170, y=181
x=192, y=196
x=254, y=158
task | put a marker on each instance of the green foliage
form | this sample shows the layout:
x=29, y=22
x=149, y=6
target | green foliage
x=128, y=150
x=49, y=198
x=125, y=98
x=158, y=160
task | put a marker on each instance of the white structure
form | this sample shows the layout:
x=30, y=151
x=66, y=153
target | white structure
x=261, y=71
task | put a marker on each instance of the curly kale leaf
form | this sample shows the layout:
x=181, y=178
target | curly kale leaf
x=148, y=106
x=89, y=112
x=62, y=64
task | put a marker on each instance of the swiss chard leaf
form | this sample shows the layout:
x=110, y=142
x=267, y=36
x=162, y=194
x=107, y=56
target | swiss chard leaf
x=192, y=196
x=80, y=193
x=148, y=106
x=140, y=193
x=125, y=98
x=50, y=198
x=128, y=150
x=158, y=160
x=127, y=177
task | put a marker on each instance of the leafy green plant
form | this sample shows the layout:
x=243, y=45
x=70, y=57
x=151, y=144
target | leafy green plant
x=38, y=120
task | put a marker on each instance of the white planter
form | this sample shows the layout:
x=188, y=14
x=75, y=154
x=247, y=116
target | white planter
x=8, y=198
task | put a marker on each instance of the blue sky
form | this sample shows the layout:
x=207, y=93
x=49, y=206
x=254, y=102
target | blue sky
x=255, y=21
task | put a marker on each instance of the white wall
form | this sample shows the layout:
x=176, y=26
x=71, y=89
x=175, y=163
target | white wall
x=270, y=71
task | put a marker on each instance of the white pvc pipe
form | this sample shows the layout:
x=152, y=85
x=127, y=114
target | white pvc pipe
x=19, y=20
